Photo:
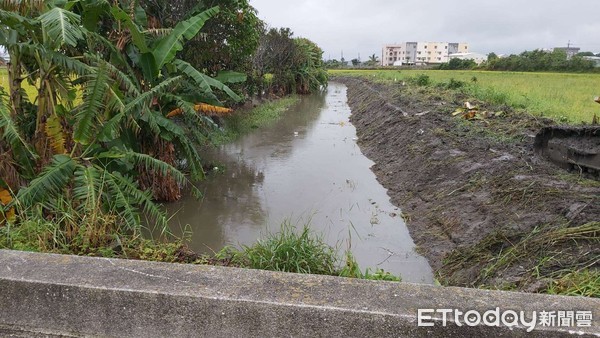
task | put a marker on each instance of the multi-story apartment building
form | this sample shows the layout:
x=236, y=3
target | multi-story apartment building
x=410, y=53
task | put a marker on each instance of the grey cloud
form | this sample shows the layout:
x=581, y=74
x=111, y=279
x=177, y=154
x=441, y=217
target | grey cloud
x=510, y=26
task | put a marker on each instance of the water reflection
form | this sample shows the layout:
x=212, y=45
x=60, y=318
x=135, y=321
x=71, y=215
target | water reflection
x=304, y=167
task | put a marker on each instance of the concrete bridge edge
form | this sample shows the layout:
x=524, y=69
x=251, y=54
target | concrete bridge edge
x=47, y=295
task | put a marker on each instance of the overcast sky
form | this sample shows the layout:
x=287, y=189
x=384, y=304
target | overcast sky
x=500, y=26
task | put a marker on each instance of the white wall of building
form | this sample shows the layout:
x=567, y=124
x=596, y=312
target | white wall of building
x=420, y=52
x=478, y=58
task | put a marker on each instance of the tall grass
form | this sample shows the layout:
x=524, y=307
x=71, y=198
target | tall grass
x=291, y=251
x=562, y=96
x=301, y=251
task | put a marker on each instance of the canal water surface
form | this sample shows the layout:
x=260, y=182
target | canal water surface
x=305, y=168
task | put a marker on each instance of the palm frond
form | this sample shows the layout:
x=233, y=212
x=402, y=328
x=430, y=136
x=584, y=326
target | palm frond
x=120, y=200
x=50, y=182
x=111, y=128
x=10, y=132
x=21, y=24
x=168, y=46
x=66, y=63
x=151, y=163
x=204, y=81
x=193, y=159
x=229, y=76
x=93, y=104
x=125, y=81
x=87, y=188
x=114, y=102
x=61, y=27
x=128, y=191
x=144, y=99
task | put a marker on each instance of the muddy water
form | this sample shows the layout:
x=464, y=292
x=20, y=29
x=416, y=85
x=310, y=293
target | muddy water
x=306, y=167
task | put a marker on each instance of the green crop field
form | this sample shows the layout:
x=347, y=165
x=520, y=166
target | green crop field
x=30, y=90
x=564, y=97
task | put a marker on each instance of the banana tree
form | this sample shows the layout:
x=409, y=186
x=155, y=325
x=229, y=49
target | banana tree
x=99, y=151
x=154, y=60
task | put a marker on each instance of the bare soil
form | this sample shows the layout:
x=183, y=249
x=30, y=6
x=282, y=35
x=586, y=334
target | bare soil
x=482, y=207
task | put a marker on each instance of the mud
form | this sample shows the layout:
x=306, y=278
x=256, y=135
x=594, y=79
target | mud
x=473, y=190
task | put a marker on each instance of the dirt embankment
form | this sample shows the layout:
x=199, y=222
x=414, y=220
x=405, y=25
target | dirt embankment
x=480, y=205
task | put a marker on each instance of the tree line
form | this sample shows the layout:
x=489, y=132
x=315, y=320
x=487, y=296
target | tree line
x=529, y=61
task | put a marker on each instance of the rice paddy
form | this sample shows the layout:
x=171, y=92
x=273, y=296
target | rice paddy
x=565, y=97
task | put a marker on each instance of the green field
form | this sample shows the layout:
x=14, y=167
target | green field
x=564, y=97
x=30, y=90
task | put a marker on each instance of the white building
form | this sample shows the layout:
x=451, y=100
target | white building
x=4, y=54
x=596, y=59
x=478, y=58
x=410, y=53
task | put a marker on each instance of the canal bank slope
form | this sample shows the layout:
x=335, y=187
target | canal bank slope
x=479, y=204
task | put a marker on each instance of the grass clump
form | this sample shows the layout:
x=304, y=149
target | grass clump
x=585, y=282
x=300, y=251
x=244, y=121
x=291, y=251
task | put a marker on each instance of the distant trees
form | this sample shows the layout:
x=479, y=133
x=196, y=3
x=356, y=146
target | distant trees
x=586, y=54
x=373, y=61
x=333, y=64
x=455, y=64
x=539, y=60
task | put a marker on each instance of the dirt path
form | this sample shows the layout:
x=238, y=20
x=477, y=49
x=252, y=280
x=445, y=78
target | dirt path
x=481, y=206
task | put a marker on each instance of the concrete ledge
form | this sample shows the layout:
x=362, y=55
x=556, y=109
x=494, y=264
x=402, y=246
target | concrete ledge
x=58, y=295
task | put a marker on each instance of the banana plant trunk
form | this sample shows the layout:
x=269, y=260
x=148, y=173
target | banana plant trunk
x=14, y=83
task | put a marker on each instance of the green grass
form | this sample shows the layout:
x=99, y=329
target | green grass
x=300, y=251
x=244, y=121
x=579, y=283
x=561, y=96
x=291, y=251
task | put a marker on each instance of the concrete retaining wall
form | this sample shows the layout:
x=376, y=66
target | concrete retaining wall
x=53, y=295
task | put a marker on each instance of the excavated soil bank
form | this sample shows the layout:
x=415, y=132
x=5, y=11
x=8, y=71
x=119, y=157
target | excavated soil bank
x=483, y=208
